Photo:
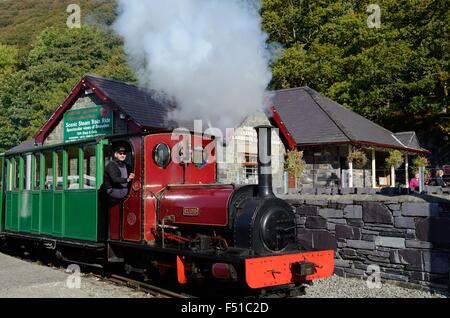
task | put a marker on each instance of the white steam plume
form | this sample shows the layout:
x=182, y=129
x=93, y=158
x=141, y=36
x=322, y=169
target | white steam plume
x=208, y=56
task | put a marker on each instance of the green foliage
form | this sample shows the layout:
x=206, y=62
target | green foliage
x=395, y=158
x=420, y=161
x=358, y=158
x=294, y=163
x=396, y=75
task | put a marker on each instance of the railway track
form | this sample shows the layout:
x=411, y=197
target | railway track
x=146, y=287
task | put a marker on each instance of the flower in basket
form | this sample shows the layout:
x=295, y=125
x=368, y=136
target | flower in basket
x=358, y=158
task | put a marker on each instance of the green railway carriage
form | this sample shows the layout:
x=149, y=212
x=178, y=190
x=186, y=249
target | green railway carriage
x=53, y=191
x=50, y=185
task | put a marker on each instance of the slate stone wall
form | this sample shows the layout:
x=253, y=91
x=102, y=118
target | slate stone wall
x=409, y=241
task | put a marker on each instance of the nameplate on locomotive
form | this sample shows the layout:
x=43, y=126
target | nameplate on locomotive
x=190, y=211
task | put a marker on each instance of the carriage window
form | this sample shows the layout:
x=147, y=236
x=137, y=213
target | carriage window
x=73, y=169
x=89, y=168
x=37, y=171
x=59, y=170
x=1, y=173
x=48, y=164
x=9, y=170
x=26, y=174
x=16, y=174
x=161, y=155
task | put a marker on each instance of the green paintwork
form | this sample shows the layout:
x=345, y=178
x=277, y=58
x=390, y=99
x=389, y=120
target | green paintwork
x=35, y=214
x=24, y=213
x=64, y=214
x=57, y=213
x=81, y=215
x=14, y=221
x=47, y=212
x=8, y=210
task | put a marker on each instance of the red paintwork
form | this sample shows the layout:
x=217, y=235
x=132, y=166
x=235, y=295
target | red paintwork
x=284, y=131
x=156, y=179
x=276, y=270
x=150, y=203
x=181, y=271
x=221, y=270
x=114, y=222
x=197, y=204
x=132, y=206
x=207, y=173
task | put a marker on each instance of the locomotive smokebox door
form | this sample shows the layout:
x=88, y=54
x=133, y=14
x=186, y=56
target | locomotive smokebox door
x=265, y=224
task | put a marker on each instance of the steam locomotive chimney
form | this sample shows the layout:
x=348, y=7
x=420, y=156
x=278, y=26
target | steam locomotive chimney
x=264, y=133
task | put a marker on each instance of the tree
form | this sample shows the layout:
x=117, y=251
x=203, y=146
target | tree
x=396, y=75
x=59, y=58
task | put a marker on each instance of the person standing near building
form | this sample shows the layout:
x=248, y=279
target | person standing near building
x=439, y=178
x=414, y=182
x=117, y=176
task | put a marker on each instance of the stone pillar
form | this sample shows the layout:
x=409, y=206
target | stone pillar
x=350, y=169
x=374, y=171
x=392, y=177
x=406, y=171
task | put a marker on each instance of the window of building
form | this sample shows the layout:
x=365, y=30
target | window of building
x=89, y=168
x=37, y=172
x=73, y=169
x=250, y=167
x=48, y=164
x=59, y=170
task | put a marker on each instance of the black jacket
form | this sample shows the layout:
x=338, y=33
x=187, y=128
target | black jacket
x=440, y=182
x=113, y=178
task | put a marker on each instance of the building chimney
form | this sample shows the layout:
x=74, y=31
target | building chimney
x=264, y=133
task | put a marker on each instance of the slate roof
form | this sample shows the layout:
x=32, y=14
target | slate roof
x=409, y=139
x=25, y=146
x=313, y=119
x=144, y=107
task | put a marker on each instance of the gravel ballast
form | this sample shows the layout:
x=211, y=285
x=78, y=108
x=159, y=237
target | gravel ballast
x=339, y=287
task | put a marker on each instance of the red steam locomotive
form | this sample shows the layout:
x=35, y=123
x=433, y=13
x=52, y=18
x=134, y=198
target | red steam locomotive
x=223, y=232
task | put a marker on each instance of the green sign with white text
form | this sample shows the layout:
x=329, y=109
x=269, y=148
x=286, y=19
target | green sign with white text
x=88, y=123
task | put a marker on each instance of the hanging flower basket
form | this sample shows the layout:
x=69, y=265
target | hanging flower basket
x=358, y=158
x=420, y=162
x=395, y=159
